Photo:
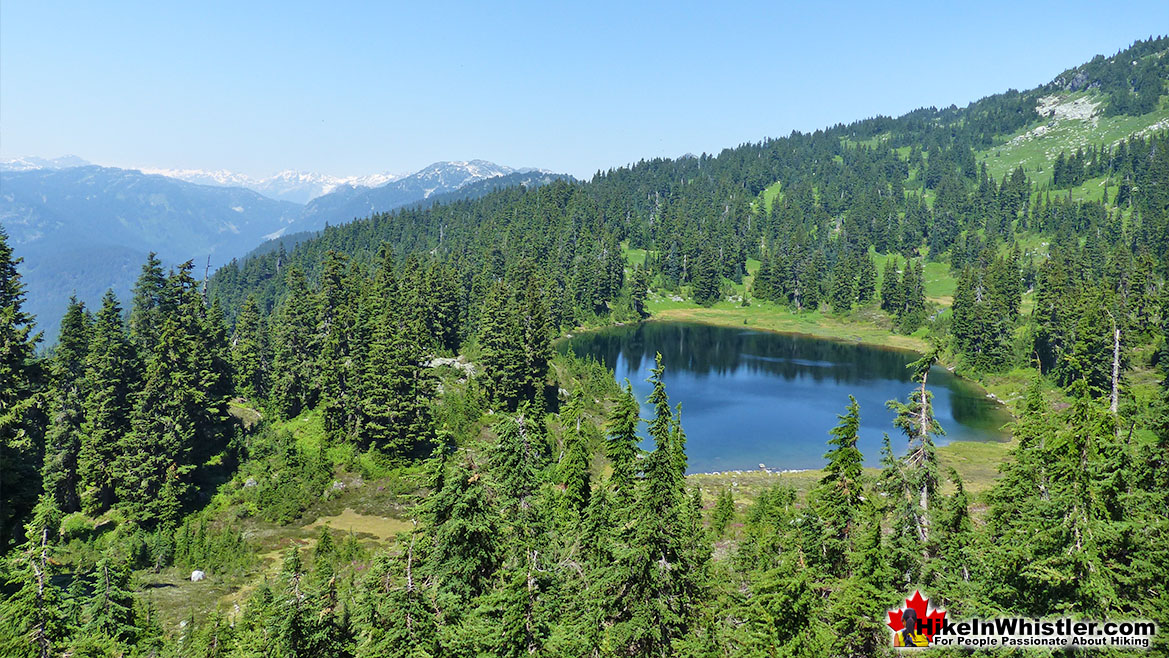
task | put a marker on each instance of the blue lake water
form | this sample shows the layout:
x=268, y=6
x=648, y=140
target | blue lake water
x=751, y=397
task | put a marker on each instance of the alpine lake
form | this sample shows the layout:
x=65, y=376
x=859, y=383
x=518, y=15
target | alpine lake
x=752, y=398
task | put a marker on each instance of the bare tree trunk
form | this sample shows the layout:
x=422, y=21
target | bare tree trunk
x=925, y=436
x=1115, y=369
x=206, y=272
x=39, y=569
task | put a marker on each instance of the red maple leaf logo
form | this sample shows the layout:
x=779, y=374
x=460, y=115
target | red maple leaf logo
x=931, y=619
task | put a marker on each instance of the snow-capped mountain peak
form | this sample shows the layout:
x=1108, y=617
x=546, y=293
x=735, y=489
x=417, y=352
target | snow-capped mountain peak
x=305, y=186
x=288, y=185
x=30, y=163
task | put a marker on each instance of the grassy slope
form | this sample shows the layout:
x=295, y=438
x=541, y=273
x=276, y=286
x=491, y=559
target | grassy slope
x=373, y=510
x=1037, y=153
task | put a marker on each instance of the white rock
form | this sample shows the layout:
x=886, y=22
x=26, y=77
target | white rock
x=197, y=575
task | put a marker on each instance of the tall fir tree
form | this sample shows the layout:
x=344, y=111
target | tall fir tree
x=20, y=381
x=621, y=444
x=501, y=337
x=63, y=440
x=150, y=305
x=866, y=282
x=294, y=349
x=111, y=378
x=838, y=497
x=249, y=352
x=575, y=458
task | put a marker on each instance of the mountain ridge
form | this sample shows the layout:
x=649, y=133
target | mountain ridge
x=83, y=229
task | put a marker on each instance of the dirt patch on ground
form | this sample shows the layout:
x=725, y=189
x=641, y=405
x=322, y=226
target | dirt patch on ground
x=382, y=528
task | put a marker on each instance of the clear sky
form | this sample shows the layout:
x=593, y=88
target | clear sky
x=350, y=88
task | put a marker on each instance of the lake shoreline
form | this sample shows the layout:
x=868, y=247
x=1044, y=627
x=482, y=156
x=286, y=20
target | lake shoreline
x=976, y=461
x=870, y=335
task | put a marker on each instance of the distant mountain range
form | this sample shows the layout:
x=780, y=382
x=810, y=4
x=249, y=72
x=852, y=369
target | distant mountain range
x=349, y=202
x=288, y=185
x=83, y=229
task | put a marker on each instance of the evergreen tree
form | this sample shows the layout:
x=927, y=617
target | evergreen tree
x=395, y=383
x=150, y=305
x=111, y=376
x=660, y=563
x=843, y=284
x=575, y=459
x=249, y=352
x=866, y=284
x=504, y=357
x=706, y=280
x=19, y=398
x=110, y=609
x=179, y=417
x=891, y=297
x=638, y=290
x=63, y=441
x=294, y=349
x=32, y=618
x=837, y=498
x=444, y=316
x=724, y=512
x=912, y=312
x=537, y=339
x=335, y=337
x=464, y=554
x=621, y=445
x=916, y=420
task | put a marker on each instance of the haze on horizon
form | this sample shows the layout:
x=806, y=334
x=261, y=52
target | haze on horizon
x=370, y=88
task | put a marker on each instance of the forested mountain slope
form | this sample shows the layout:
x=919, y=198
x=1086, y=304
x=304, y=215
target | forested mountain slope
x=497, y=498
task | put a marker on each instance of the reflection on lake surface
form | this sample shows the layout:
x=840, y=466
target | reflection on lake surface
x=751, y=397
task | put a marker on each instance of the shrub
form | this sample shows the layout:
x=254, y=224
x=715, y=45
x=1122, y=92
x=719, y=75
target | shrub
x=76, y=526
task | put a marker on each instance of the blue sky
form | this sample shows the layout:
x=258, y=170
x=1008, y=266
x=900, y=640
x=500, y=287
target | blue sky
x=349, y=88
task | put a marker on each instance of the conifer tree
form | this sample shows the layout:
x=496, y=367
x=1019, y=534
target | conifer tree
x=110, y=609
x=837, y=498
x=706, y=280
x=575, y=459
x=464, y=554
x=638, y=290
x=843, y=284
x=33, y=623
x=855, y=607
x=294, y=349
x=401, y=620
x=19, y=398
x=515, y=463
x=660, y=562
x=916, y=420
x=501, y=338
x=149, y=306
x=444, y=317
x=63, y=440
x=335, y=335
x=912, y=312
x=891, y=298
x=395, y=385
x=249, y=352
x=724, y=512
x=537, y=333
x=111, y=376
x=178, y=418
x=621, y=444
x=866, y=283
